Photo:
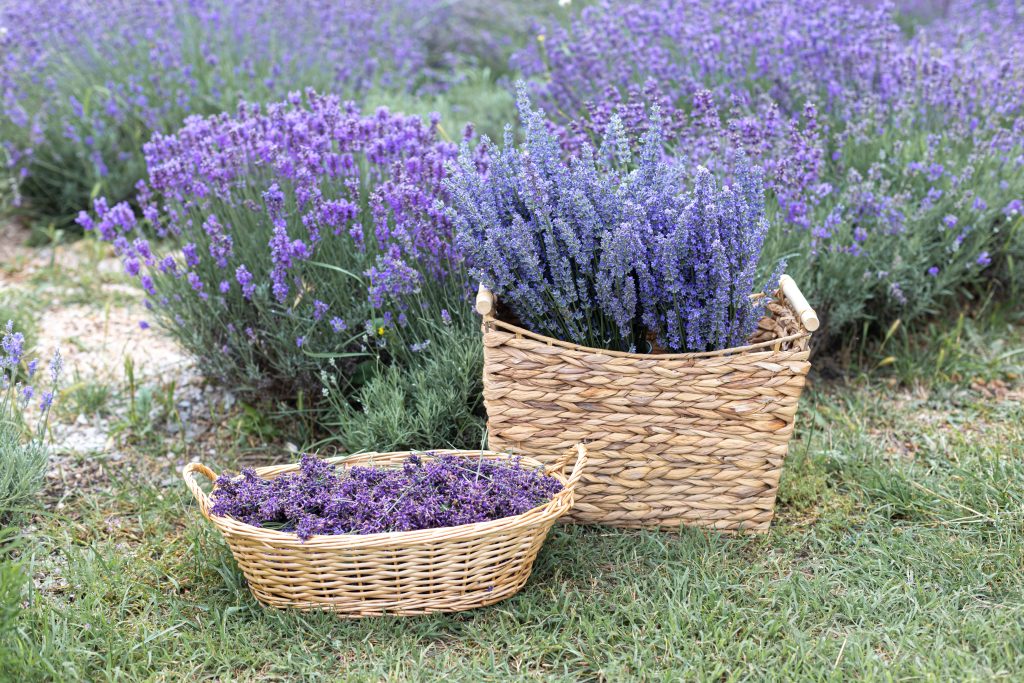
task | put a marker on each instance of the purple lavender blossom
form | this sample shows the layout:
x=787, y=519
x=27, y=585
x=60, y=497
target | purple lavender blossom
x=864, y=131
x=320, y=499
x=319, y=308
x=606, y=251
x=245, y=279
x=270, y=197
x=12, y=344
x=56, y=54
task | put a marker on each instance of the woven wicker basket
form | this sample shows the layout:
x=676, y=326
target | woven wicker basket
x=412, y=572
x=693, y=438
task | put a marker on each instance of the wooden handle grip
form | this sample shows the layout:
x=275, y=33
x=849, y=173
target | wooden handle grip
x=484, y=301
x=796, y=299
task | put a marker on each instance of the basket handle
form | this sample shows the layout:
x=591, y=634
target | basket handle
x=189, y=475
x=484, y=301
x=577, y=469
x=808, y=318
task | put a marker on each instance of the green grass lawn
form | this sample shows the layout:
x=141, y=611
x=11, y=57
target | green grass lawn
x=896, y=555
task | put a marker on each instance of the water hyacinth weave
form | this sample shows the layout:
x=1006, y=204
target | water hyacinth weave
x=302, y=227
x=423, y=494
x=608, y=250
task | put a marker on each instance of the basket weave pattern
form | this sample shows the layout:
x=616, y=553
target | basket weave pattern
x=412, y=572
x=696, y=439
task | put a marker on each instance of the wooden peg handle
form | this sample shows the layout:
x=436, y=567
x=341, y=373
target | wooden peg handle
x=796, y=299
x=484, y=301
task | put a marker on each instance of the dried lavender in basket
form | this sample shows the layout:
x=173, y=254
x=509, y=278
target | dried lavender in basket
x=319, y=498
x=609, y=248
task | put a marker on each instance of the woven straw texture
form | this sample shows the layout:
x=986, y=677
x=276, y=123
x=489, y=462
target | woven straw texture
x=696, y=439
x=412, y=572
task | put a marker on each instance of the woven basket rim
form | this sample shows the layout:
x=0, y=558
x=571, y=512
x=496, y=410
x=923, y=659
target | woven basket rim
x=491, y=320
x=788, y=292
x=396, y=539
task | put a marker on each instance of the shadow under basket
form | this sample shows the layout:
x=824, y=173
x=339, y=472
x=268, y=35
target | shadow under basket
x=449, y=569
x=694, y=439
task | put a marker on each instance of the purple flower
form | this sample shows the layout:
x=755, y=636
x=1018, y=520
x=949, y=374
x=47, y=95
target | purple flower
x=191, y=256
x=12, y=345
x=143, y=325
x=46, y=401
x=303, y=200
x=594, y=253
x=319, y=308
x=131, y=266
x=85, y=220
x=319, y=499
x=933, y=271
x=300, y=341
x=984, y=260
x=338, y=325
x=56, y=367
x=244, y=278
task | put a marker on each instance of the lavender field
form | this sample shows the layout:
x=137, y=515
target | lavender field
x=255, y=230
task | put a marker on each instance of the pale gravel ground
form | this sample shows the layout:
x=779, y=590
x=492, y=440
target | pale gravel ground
x=94, y=341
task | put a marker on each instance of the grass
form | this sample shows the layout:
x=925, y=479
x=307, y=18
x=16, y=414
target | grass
x=896, y=555
x=85, y=396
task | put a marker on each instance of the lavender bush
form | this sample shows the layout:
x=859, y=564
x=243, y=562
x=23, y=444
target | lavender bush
x=449, y=490
x=893, y=156
x=607, y=251
x=84, y=84
x=295, y=234
x=22, y=460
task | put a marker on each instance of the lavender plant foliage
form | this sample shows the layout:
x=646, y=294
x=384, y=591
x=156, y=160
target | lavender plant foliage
x=320, y=499
x=870, y=133
x=25, y=397
x=292, y=234
x=610, y=250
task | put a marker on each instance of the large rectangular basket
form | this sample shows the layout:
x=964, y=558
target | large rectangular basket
x=692, y=439
x=411, y=572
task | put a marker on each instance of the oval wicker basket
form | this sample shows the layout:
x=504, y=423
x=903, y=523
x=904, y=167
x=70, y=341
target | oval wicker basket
x=687, y=438
x=411, y=572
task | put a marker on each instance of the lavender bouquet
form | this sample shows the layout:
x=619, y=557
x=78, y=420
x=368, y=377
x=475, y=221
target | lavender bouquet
x=423, y=494
x=612, y=248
